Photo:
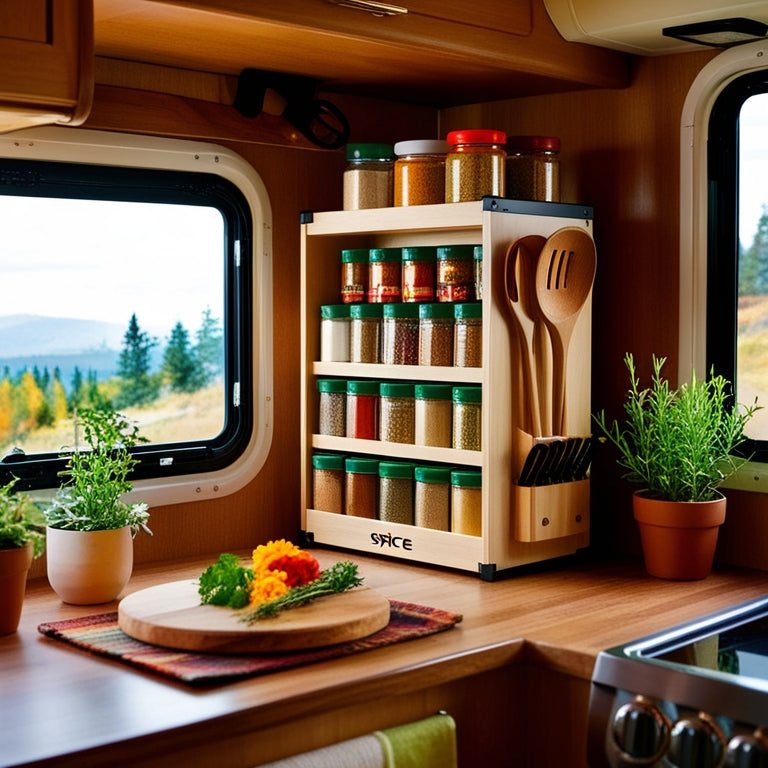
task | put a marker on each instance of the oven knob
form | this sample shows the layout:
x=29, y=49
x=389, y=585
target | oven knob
x=696, y=742
x=641, y=731
x=747, y=751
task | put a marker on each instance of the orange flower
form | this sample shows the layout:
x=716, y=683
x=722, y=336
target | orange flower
x=279, y=566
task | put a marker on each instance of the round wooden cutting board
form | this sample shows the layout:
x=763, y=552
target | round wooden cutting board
x=170, y=615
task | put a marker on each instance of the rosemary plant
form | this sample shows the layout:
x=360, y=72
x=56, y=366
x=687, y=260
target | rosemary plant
x=678, y=443
x=90, y=499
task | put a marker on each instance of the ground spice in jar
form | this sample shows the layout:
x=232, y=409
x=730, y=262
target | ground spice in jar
x=433, y=415
x=361, y=484
x=384, y=274
x=478, y=265
x=468, y=335
x=432, y=497
x=455, y=272
x=467, y=413
x=363, y=409
x=420, y=172
x=475, y=165
x=368, y=176
x=365, y=333
x=396, y=492
x=328, y=482
x=436, y=334
x=332, y=410
x=400, y=334
x=418, y=273
x=466, y=502
x=533, y=168
x=396, y=412
x=354, y=275
x=334, y=333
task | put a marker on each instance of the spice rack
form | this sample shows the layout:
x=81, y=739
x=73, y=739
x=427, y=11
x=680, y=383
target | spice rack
x=520, y=525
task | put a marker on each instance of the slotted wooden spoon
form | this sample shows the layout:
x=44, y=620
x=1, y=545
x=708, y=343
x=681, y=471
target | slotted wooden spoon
x=564, y=278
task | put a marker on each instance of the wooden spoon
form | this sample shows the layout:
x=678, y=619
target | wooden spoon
x=564, y=278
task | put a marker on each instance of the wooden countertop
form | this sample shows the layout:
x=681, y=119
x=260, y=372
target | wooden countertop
x=62, y=705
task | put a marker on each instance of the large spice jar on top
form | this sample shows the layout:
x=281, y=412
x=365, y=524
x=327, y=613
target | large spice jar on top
x=420, y=172
x=475, y=165
x=368, y=176
x=533, y=168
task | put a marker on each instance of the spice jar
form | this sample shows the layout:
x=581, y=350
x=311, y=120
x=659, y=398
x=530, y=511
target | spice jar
x=354, y=275
x=466, y=417
x=365, y=333
x=396, y=492
x=468, y=335
x=368, y=176
x=455, y=272
x=332, y=408
x=363, y=409
x=478, y=269
x=436, y=334
x=361, y=484
x=466, y=502
x=396, y=412
x=334, y=333
x=432, y=497
x=533, y=168
x=328, y=482
x=384, y=274
x=474, y=165
x=433, y=415
x=420, y=172
x=418, y=273
x=400, y=334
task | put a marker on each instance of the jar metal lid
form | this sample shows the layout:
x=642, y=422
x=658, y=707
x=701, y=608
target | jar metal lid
x=394, y=310
x=385, y=254
x=396, y=389
x=358, y=311
x=467, y=311
x=467, y=478
x=432, y=474
x=440, y=310
x=421, y=147
x=351, y=255
x=328, y=461
x=363, y=387
x=331, y=385
x=400, y=470
x=455, y=252
x=334, y=311
x=370, y=152
x=476, y=136
x=362, y=466
x=527, y=143
x=467, y=394
x=432, y=391
x=419, y=253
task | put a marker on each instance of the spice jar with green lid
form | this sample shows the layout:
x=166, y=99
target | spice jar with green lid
x=432, y=497
x=332, y=407
x=533, y=168
x=466, y=502
x=396, y=492
x=328, y=482
x=334, y=333
x=384, y=274
x=433, y=415
x=368, y=176
x=468, y=335
x=354, y=275
x=467, y=418
x=475, y=165
x=418, y=273
x=455, y=272
x=363, y=409
x=420, y=172
x=396, y=412
x=478, y=259
x=436, y=334
x=364, y=333
x=400, y=334
x=361, y=486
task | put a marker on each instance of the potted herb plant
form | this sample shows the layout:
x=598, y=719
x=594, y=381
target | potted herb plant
x=22, y=538
x=90, y=527
x=678, y=444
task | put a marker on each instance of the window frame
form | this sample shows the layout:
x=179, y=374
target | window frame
x=200, y=468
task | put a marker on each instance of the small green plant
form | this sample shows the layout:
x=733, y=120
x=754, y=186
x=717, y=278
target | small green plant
x=90, y=499
x=21, y=521
x=678, y=443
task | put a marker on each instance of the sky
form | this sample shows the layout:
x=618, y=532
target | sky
x=753, y=171
x=106, y=260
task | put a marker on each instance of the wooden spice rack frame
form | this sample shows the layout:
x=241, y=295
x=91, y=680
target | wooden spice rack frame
x=520, y=524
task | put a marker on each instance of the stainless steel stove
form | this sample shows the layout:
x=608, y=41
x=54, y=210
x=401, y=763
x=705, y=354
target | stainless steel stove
x=695, y=696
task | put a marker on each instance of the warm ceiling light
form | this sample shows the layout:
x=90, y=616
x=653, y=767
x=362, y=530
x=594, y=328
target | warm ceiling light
x=719, y=33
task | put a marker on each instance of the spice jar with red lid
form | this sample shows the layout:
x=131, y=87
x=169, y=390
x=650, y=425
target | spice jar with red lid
x=533, y=168
x=475, y=165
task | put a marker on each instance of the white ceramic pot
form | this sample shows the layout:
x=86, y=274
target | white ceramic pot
x=89, y=567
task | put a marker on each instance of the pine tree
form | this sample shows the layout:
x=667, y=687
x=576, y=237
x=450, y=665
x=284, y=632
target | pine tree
x=179, y=365
x=209, y=349
x=76, y=395
x=138, y=386
x=753, y=263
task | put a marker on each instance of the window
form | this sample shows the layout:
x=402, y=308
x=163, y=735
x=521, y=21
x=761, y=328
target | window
x=136, y=273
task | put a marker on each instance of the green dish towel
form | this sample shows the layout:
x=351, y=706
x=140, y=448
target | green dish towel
x=428, y=743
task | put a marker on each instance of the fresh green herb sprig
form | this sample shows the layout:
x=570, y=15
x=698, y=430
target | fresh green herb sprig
x=338, y=578
x=226, y=583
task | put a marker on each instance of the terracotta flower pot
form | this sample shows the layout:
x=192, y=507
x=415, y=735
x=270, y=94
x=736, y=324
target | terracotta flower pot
x=14, y=564
x=678, y=537
x=89, y=567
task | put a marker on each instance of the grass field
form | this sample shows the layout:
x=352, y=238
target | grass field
x=752, y=373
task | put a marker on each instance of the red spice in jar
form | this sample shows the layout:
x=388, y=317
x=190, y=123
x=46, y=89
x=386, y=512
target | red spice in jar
x=418, y=277
x=384, y=274
x=363, y=410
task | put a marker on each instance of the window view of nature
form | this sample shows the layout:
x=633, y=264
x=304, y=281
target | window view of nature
x=109, y=304
x=752, y=318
